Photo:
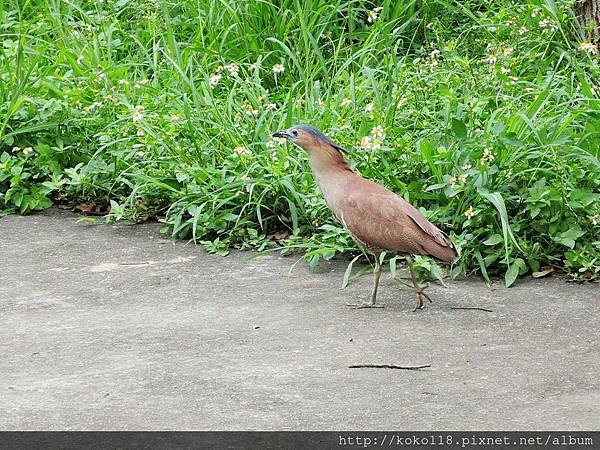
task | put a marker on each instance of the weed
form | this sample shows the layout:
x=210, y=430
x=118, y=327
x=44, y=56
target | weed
x=485, y=115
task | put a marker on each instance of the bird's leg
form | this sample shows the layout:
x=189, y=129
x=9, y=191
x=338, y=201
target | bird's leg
x=418, y=289
x=377, y=275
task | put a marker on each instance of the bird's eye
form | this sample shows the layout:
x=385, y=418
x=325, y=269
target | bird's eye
x=295, y=132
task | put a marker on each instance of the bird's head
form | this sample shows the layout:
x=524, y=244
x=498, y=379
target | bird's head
x=307, y=138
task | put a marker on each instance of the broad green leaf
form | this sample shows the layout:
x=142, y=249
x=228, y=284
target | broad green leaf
x=348, y=271
x=513, y=271
x=496, y=199
x=493, y=240
x=569, y=237
x=459, y=129
x=482, y=267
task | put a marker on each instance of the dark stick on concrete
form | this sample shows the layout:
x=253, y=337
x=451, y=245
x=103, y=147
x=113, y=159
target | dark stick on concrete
x=387, y=366
x=471, y=307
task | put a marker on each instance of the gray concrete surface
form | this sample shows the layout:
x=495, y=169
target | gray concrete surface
x=112, y=327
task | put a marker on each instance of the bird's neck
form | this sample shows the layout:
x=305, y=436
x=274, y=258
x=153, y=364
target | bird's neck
x=328, y=162
x=332, y=173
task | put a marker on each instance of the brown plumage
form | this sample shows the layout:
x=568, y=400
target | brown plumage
x=375, y=217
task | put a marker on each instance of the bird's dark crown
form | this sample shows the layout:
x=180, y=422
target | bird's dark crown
x=319, y=136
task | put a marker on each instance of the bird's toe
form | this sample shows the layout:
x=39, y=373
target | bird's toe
x=419, y=303
x=364, y=305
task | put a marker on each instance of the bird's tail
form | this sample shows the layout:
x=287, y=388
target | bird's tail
x=447, y=252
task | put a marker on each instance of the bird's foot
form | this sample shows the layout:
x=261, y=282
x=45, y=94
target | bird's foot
x=420, y=293
x=364, y=305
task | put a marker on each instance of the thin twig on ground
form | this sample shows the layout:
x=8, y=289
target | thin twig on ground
x=387, y=366
x=471, y=307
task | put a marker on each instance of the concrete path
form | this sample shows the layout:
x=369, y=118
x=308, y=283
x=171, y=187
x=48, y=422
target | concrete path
x=113, y=327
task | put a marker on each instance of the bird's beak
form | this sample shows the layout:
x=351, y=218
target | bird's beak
x=282, y=134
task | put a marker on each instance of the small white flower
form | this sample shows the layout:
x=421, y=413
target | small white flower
x=275, y=142
x=241, y=151
x=593, y=219
x=278, y=68
x=466, y=166
x=522, y=31
x=253, y=67
x=269, y=106
x=365, y=143
x=487, y=156
x=320, y=103
x=16, y=149
x=377, y=131
x=462, y=177
x=140, y=83
x=123, y=82
x=27, y=150
x=176, y=118
x=370, y=107
x=505, y=70
x=435, y=53
x=139, y=154
x=138, y=113
x=140, y=132
x=233, y=69
x=491, y=59
x=373, y=15
x=507, y=51
x=346, y=101
x=469, y=213
x=250, y=110
x=375, y=144
x=214, y=78
x=92, y=107
x=588, y=47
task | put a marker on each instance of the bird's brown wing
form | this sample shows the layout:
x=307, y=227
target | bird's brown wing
x=415, y=215
x=379, y=218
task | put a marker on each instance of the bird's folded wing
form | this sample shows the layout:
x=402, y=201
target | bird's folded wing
x=387, y=211
x=415, y=215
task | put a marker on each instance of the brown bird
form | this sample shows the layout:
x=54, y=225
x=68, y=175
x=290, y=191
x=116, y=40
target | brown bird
x=376, y=218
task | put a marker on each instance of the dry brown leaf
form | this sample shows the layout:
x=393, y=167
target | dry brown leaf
x=280, y=235
x=92, y=210
x=542, y=273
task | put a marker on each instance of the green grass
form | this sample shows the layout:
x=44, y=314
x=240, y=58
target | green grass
x=490, y=114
